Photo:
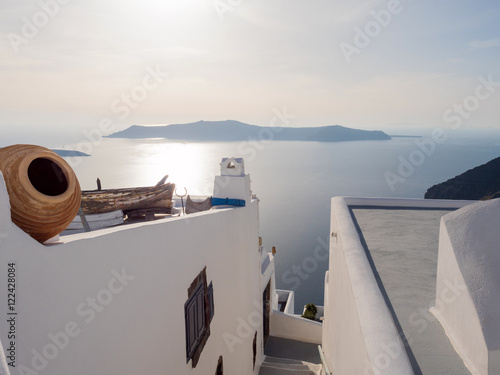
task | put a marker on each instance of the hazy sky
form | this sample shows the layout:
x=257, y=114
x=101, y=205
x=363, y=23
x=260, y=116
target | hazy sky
x=68, y=65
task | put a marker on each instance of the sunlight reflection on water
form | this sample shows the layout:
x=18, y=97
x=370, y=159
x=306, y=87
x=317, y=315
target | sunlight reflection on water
x=293, y=180
x=130, y=163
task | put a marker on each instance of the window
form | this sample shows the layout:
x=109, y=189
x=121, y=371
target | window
x=254, y=348
x=198, y=312
x=220, y=367
x=211, y=301
x=194, y=310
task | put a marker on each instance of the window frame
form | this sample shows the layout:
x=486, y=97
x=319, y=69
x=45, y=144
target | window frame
x=196, y=329
x=198, y=314
x=211, y=304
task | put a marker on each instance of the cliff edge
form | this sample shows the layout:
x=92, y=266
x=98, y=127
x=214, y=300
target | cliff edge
x=479, y=183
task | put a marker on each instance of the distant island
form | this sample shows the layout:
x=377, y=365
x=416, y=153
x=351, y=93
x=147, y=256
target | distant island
x=70, y=153
x=230, y=130
x=479, y=183
x=405, y=136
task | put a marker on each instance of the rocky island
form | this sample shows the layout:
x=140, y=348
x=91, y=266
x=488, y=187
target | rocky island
x=230, y=131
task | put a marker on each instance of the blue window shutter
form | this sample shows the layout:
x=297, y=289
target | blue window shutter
x=211, y=300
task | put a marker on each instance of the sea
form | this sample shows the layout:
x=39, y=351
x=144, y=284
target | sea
x=294, y=182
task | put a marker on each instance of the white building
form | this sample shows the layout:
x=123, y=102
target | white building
x=182, y=295
x=196, y=294
x=412, y=287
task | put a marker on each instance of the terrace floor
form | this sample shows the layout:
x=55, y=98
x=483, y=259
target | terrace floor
x=402, y=246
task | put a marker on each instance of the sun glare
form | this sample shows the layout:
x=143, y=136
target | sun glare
x=184, y=163
x=172, y=10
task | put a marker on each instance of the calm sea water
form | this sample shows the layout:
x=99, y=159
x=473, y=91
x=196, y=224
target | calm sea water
x=294, y=182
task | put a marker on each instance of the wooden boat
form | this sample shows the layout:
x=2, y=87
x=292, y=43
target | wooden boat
x=128, y=199
x=97, y=221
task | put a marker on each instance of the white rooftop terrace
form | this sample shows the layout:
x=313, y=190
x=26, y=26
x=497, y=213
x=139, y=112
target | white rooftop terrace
x=381, y=285
x=402, y=247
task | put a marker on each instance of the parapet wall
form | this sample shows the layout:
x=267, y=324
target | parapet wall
x=469, y=263
x=357, y=325
x=112, y=301
x=359, y=334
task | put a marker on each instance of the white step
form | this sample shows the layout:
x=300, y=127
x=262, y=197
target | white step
x=282, y=366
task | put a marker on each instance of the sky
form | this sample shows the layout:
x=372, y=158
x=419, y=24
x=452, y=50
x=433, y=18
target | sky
x=75, y=67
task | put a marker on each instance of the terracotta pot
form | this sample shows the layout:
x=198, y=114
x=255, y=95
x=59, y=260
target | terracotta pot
x=43, y=190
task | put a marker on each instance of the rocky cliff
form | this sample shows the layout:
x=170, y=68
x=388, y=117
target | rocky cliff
x=482, y=182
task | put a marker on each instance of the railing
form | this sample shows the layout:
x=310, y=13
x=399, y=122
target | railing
x=325, y=370
x=356, y=313
x=287, y=297
x=295, y=328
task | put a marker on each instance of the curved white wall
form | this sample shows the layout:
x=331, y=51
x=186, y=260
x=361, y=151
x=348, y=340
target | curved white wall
x=468, y=284
x=358, y=332
x=295, y=328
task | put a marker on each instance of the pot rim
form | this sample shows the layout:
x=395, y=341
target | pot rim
x=61, y=163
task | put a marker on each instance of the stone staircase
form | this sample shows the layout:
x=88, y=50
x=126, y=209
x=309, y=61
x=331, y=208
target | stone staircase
x=282, y=366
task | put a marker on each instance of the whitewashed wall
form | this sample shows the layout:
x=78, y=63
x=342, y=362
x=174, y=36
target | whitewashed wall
x=451, y=309
x=343, y=338
x=468, y=282
x=138, y=325
x=295, y=327
x=359, y=335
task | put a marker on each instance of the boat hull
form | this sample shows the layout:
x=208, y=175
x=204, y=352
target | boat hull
x=101, y=201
